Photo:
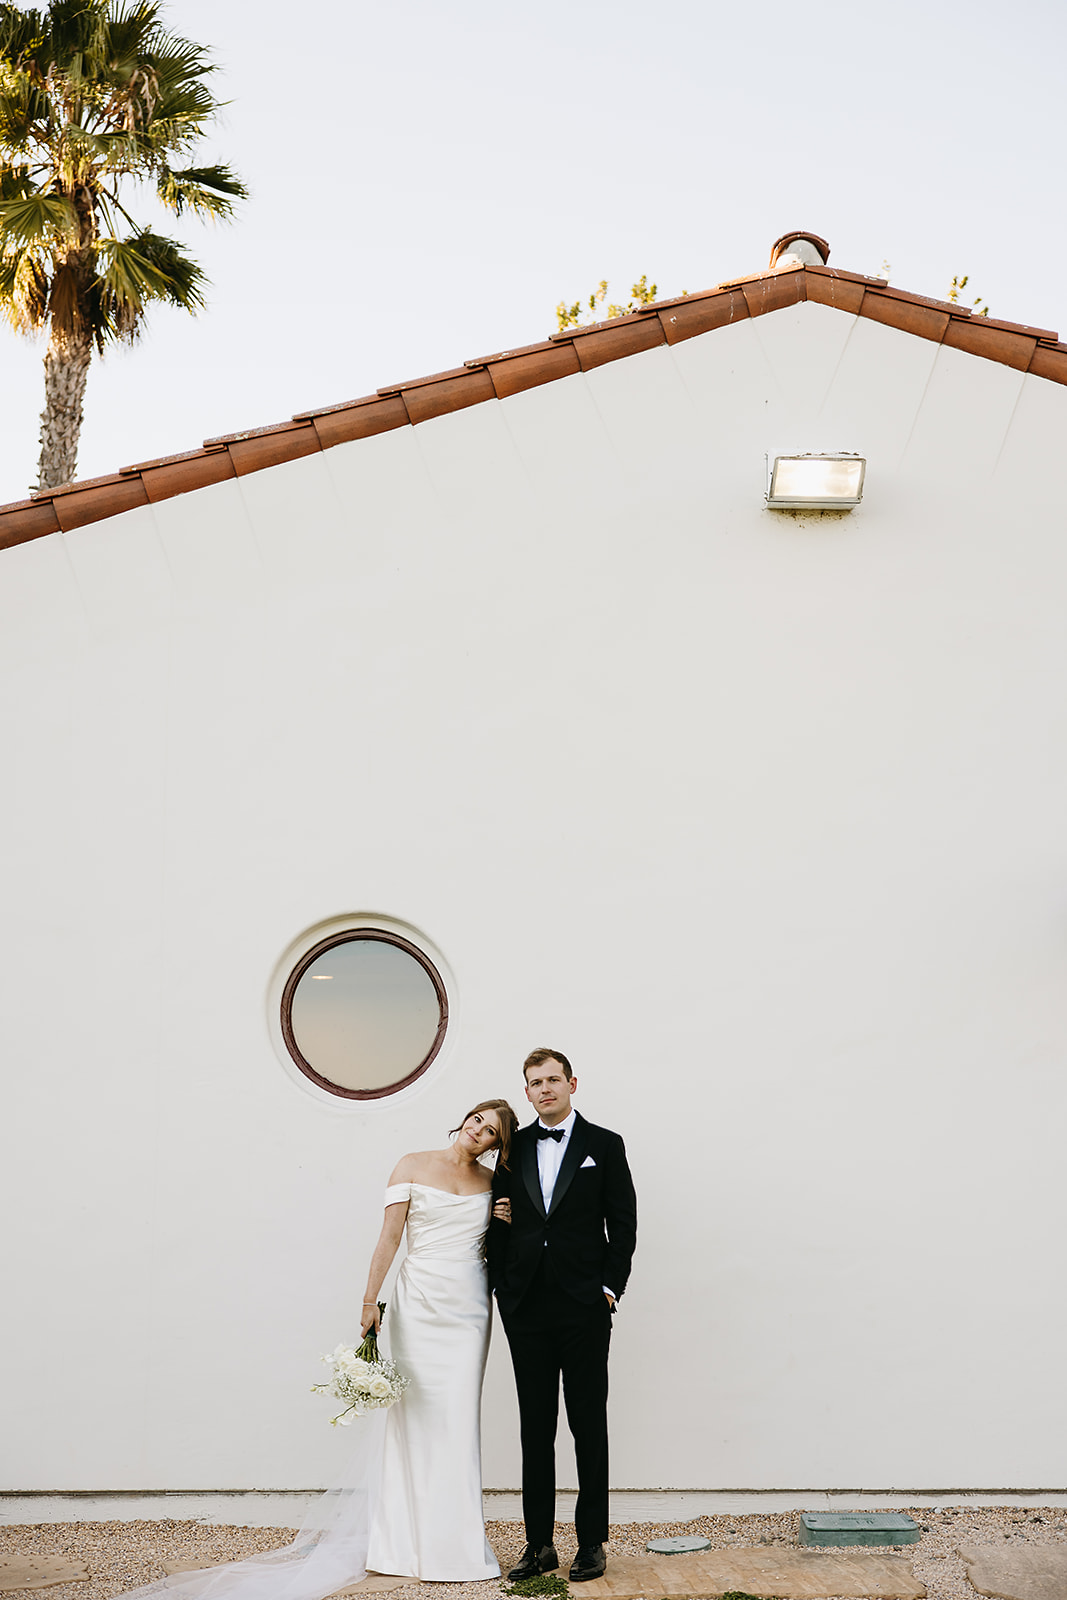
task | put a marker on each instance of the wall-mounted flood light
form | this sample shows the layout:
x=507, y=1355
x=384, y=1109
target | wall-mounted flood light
x=816, y=483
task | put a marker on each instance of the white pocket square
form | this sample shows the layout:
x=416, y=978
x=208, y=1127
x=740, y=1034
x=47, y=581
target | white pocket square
x=588, y=1162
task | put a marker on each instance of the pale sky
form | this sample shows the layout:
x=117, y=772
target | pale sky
x=428, y=180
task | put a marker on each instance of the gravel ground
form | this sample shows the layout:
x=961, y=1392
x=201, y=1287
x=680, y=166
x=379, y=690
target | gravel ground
x=121, y=1555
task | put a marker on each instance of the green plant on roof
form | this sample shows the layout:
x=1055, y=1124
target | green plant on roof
x=96, y=96
x=956, y=288
x=585, y=312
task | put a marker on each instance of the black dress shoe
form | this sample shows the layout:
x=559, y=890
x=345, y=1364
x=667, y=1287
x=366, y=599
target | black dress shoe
x=533, y=1562
x=590, y=1562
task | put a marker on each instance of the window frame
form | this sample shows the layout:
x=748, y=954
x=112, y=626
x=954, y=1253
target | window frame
x=330, y=942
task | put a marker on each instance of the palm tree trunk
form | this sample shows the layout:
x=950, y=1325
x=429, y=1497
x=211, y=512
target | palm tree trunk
x=66, y=367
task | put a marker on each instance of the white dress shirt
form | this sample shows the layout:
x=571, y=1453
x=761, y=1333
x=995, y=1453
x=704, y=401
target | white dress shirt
x=550, y=1153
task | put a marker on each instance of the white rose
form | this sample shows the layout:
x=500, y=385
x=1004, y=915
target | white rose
x=379, y=1387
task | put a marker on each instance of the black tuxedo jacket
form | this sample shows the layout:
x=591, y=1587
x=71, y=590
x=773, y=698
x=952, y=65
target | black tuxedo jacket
x=589, y=1230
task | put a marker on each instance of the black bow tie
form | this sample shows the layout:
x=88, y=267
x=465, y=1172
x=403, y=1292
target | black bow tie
x=549, y=1133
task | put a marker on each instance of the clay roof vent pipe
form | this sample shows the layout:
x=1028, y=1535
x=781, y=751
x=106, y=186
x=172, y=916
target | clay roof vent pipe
x=800, y=250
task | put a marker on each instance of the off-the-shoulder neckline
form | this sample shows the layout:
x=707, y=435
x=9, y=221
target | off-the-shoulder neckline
x=415, y=1184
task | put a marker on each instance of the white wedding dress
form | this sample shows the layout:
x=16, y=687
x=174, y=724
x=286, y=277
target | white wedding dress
x=427, y=1519
x=411, y=1504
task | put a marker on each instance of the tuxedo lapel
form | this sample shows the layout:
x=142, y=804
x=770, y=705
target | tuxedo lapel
x=577, y=1145
x=530, y=1175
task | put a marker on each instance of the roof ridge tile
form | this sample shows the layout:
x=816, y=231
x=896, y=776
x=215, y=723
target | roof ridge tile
x=222, y=439
x=390, y=389
x=166, y=461
x=342, y=405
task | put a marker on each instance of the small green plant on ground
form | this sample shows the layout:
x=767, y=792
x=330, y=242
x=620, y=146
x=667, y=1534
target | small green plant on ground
x=546, y=1583
x=739, y=1594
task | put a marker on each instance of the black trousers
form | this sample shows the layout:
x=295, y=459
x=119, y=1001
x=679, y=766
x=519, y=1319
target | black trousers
x=553, y=1336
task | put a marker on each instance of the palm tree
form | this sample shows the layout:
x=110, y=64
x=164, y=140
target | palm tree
x=94, y=95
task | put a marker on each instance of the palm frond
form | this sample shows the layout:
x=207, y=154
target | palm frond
x=24, y=283
x=133, y=272
x=15, y=183
x=21, y=107
x=22, y=34
x=209, y=191
x=33, y=219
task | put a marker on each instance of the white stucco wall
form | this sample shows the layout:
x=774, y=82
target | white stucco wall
x=760, y=819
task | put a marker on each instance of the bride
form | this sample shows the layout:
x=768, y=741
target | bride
x=412, y=1502
x=427, y=1521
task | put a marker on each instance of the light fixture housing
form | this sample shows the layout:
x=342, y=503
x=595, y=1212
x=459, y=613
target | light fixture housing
x=816, y=483
x=805, y=249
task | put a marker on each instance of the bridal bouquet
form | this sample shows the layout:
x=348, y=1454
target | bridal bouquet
x=363, y=1379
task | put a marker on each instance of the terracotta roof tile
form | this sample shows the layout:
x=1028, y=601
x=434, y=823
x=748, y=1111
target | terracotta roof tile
x=511, y=372
x=772, y=293
x=77, y=485
x=891, y=292
x=269, y=447
x=420, y=383
x=508, y=372
x=360, y=420
x=1019, y=327
x=627, y=337
x=1050, y=363
x=974, y=335
x=842, y=290
x=196, y=470
x=252, y=433
x=341, y=405
x=92, y=502
x=162, y=461
x=24, y=520
x=453, y=392
x=914, y=316
x=684, y=319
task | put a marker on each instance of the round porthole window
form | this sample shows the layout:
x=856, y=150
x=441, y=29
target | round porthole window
x=364, y=1013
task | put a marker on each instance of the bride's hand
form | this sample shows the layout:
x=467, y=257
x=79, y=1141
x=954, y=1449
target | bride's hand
x=502, y=1211
x=373, y=1321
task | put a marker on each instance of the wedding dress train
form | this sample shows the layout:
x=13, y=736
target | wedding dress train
x=411, y=1504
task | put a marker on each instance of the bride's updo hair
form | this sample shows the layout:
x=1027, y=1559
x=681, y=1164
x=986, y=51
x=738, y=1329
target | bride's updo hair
x=509, y=1122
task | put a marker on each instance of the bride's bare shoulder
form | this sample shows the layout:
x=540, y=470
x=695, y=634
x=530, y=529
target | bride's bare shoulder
x=410, y=1167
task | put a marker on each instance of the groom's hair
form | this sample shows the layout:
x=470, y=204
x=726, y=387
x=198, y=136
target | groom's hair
x=537, y=1058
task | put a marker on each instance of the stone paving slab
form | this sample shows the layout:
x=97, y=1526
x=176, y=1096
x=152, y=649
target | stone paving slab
x=781, y=1574
x=39, y=1572
x=1018, y=1572
x=776, y=1574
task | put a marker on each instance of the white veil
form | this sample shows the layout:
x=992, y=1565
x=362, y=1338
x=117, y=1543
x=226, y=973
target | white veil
x=328, y=1553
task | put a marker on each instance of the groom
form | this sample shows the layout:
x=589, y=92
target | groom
x=557, y=1269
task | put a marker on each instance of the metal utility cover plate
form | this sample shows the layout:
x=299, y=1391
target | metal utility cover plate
x=677, y=1547
x=858, y=1527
